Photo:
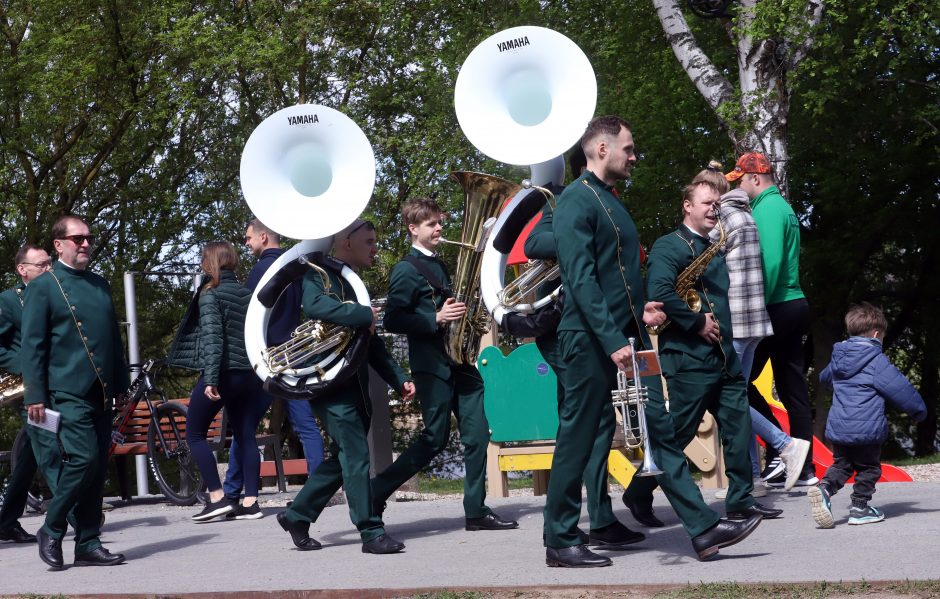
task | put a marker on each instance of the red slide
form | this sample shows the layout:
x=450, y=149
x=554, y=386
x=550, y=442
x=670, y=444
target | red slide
x=822, y=457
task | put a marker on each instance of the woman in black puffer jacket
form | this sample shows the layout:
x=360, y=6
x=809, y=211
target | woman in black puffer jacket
x=227, y=380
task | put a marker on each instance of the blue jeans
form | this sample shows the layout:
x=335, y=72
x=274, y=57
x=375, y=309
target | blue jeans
x=762, y=427
x=241, y=393
x=305, y=425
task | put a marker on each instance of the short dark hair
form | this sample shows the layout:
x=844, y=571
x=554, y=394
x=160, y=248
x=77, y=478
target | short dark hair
x=603, y=125
x=259, y=227
x=61, y=225
x=418, y=210
x=577, y=161
x=21, y=253
x=863, y=318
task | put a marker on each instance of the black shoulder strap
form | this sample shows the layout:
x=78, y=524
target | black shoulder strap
x=433, y=281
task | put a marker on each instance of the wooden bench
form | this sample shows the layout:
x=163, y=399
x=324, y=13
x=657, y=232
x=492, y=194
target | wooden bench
x=135, y=443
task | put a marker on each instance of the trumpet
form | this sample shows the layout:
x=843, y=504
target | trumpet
x=630, y=398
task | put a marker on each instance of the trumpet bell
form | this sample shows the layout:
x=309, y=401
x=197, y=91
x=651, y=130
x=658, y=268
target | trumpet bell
x=525, y=94
x=307, y=171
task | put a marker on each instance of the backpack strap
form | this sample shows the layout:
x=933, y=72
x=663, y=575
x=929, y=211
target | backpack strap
x=433, y=281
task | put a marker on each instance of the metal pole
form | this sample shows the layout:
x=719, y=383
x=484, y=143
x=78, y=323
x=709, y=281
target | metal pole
x=133, y=357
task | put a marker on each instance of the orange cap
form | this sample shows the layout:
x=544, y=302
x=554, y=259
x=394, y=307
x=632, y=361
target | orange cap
x=752, y=162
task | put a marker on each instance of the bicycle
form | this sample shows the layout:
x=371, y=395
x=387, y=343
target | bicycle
x=168, y=453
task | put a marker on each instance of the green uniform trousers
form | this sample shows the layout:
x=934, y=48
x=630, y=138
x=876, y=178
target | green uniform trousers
x=85, y=435
x=586, y=423
x=14, y=502
x=600, y=510
x=346, y=420
x=696, y=386
x=462, y=394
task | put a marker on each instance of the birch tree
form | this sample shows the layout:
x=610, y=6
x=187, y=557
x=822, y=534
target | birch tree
x=771, y=39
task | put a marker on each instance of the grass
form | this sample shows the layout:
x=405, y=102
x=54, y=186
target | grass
x=451, y=486
x=933, y=458
x=819, y=590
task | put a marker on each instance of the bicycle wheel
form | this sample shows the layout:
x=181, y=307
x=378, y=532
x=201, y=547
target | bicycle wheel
x=168, y=453
x=34, y=497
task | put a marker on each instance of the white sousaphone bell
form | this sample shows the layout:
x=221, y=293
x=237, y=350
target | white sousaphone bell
x=523, y=97
x=307, y=172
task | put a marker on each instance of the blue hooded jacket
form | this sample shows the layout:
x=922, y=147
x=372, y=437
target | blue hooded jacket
x=862, y=378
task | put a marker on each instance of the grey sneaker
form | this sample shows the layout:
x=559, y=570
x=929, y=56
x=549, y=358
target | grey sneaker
x=793, y=456
x=822, y=507
x=865, y=515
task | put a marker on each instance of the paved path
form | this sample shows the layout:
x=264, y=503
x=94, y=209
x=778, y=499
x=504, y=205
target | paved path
x=167, y=553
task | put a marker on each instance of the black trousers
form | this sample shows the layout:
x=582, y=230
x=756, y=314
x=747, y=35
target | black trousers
x=862, y=460
x=784, y=349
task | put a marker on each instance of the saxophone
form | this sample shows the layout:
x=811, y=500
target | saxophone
x=688, y=278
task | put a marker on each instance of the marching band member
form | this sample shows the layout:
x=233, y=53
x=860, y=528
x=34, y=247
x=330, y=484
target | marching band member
x=73, y=361
x=419, y=305
x=31, y=261
x=345, y=411
x=598, y=252
x=701, y=367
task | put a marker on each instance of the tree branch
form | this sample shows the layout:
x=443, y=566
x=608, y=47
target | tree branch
x=709, y=81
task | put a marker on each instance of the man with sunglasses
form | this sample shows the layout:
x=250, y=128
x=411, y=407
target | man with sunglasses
x=31, y=261
x=73, y=362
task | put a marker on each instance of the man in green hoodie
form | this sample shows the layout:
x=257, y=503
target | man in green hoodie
x=779, y=232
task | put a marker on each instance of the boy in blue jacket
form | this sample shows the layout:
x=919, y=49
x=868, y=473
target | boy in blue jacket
x=861, y=379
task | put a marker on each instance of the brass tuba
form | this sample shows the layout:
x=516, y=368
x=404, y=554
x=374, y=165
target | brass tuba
x=11, y=387
x=484, y=196
x=689, y=277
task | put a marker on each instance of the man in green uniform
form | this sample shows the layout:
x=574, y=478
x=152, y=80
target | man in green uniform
x=605, y=306
x=420, y=308
x=31, y=261
x=73, y=362
x=606, y=531
x=345, y=411
x=701, y=367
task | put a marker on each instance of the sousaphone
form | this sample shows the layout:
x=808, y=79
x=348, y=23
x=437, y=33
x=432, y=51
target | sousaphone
x=307, y=172
x=523, y=97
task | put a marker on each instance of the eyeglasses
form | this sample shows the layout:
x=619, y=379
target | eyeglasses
x=44, y=264
x=80, y=239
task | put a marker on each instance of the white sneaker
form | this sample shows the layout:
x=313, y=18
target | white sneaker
x=793, y=456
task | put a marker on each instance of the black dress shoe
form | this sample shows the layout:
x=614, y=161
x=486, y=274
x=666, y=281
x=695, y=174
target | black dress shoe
x=490, y=522
x=50, y=550
x=642, y=512
x=757, y=509
x=578, y=556
x=614, y=536
x=98, y=557
x=299, y=534
x=16, y=535
x=382, y=544
x=723, y=534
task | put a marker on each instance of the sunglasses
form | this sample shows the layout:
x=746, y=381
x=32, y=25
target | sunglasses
x=80, y=239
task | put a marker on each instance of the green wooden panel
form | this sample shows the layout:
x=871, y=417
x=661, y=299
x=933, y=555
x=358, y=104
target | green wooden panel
x=521, y=396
